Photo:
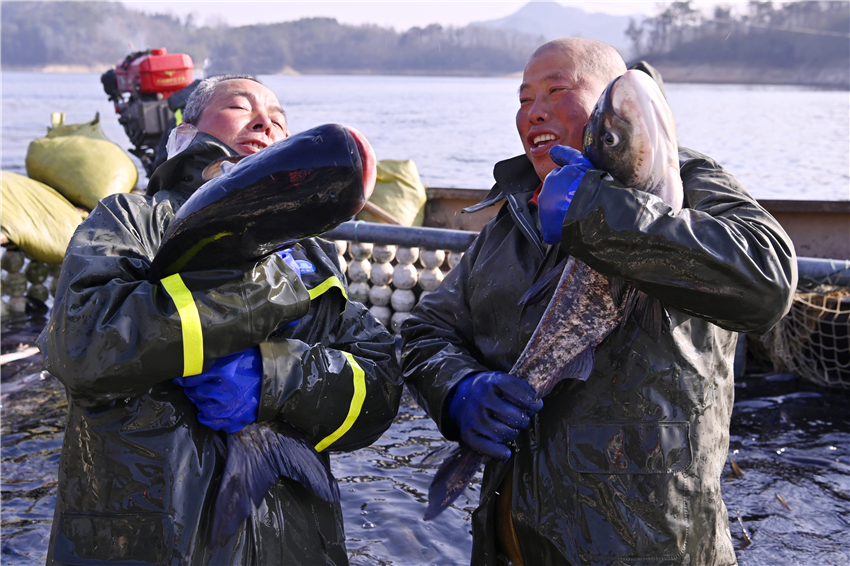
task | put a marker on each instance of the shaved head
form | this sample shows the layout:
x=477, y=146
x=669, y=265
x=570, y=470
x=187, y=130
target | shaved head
x=595, y=61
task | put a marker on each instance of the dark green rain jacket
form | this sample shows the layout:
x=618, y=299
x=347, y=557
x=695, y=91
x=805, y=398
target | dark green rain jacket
x=138, y=472
x=625, y=467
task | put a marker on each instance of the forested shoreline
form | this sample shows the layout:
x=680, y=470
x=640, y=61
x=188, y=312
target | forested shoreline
x=796, y=43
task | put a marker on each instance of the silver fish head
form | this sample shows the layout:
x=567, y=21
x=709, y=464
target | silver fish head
x=631, y=134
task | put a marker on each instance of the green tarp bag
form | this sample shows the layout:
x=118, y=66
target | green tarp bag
x=80, y=162
x=399, y=192
x=36, y=218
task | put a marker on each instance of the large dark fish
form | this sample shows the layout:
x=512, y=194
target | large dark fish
x=631, y=134
x=296, y=188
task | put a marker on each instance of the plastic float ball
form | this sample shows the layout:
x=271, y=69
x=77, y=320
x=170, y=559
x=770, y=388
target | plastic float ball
x=343, y=265
x=360, y=251
x=380, y=295
x=38, y=292
x=431, y=259
x=407, y=255
x=403, y=300
x=382, y=274
x=397, y=320
x=15, y=284
x=18, y=304
x=341, y=246
x=359, y=292
x=405, y=276
x=12, y=261
x=383, y=314
x=383, y=254
x=454, y=259
x=36, y=272
x=430, y=279
x=359, y=270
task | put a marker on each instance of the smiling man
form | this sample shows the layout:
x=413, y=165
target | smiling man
x=625, y=466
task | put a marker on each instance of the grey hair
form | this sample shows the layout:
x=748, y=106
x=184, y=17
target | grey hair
x=595, y=61
x=201, y=96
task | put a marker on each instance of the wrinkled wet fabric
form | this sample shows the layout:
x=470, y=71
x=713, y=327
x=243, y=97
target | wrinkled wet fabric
x=139, y=473
x=625, y=467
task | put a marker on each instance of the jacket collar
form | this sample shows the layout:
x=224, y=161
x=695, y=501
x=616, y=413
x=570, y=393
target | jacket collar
x=182, y=172
x=513, y=176
x=516, y=181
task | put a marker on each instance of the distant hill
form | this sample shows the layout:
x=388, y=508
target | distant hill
x=552, y=20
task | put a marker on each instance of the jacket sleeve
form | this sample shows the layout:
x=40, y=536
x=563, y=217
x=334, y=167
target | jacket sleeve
x=335, y=375
x=438, y=341
x=723, y=258
x=113, y=334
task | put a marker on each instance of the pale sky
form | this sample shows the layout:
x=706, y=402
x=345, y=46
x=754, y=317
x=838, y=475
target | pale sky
x=401, y=15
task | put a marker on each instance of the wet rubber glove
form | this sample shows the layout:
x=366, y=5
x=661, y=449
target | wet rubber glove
x=228, y=394
x=286, y=255
x=558, y=191
x=491, y=408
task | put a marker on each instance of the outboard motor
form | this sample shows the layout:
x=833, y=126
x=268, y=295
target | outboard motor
x=140, y=87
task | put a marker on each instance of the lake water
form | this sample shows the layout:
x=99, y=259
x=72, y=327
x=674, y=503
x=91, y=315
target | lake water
x=780, y=142
x=789, y=437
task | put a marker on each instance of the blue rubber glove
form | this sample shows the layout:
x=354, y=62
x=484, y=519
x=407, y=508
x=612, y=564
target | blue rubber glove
x=286, y=255
x=228, y=394
x=559, y=188
x=491, y=408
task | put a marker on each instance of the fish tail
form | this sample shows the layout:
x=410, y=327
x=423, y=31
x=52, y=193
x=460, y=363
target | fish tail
x=451, y=479
x=257, y=456
x=648, y=312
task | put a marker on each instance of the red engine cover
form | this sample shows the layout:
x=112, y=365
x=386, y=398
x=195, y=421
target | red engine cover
x=158, y=73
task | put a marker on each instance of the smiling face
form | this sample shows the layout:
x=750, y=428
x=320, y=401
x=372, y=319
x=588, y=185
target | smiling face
x=245, y=115
x=556, y=100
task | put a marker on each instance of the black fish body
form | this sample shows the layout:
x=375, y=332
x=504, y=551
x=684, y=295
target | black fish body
x=297, y=188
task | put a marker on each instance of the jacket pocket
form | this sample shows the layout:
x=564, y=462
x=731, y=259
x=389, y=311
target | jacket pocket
x=631, y=490
x=101, y=539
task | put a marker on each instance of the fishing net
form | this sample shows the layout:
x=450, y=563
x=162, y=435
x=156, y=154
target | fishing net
x=813, y=339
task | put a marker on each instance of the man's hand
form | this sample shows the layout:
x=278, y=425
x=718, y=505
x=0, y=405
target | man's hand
x=491, y=408
x=228, y=394
x=559, y=187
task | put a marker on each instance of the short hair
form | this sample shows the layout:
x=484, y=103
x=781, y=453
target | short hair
x=201, y=96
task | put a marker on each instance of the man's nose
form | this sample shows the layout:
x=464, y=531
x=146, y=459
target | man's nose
x=262, y=123
x=539, y=112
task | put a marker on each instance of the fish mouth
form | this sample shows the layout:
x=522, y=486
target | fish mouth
x=367, y=158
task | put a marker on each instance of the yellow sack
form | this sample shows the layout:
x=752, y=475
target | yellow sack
x=79, y=162
x=37, y=218
x=399, y=192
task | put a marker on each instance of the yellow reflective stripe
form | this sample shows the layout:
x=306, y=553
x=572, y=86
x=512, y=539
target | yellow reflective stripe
x=190, y=322
x=356, y=403
x=325, y=286
x=178, y=116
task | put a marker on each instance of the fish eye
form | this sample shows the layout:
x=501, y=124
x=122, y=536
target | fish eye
x=610, y=139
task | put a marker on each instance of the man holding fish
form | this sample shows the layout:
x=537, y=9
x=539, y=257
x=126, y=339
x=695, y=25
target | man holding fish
x=207, y=380
x=585, y=343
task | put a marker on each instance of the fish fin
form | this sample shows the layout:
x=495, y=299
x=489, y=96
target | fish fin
x=451, y=479
x=546, y=282
x=218, y=167
x=578, y=368
x=649, y=314
x=257, y=456
x=434, y=457
x=619, y=288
